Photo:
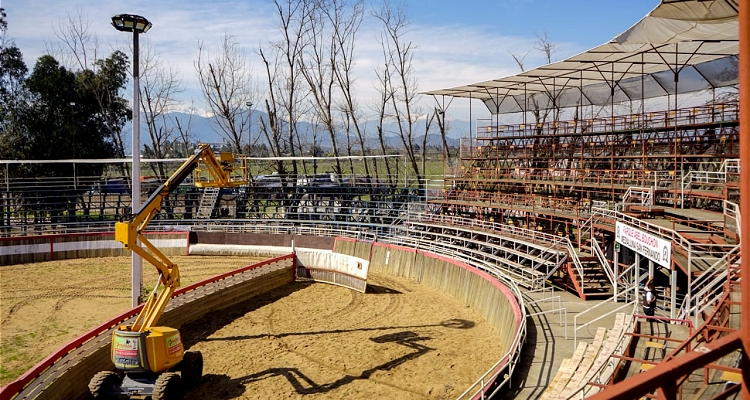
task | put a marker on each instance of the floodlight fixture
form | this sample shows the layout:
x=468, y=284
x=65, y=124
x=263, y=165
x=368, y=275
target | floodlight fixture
x=131, y=23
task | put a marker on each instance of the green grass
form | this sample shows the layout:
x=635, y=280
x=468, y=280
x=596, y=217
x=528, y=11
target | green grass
x=13, y=354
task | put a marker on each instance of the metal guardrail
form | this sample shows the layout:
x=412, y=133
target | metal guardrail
x=551, y=245
x=711, y=284
x=694, y=253
x=630, y=303
x=645, y=195
x=720, y=177
x=504, y=368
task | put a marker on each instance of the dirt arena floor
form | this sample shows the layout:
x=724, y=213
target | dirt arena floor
x=306, y=340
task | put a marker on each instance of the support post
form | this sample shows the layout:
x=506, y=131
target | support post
x=744, y=51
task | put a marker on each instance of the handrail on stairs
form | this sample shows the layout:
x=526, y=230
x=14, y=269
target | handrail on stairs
x=732, y=211
x=710, y=282
x=597, y=250
x=645, y=194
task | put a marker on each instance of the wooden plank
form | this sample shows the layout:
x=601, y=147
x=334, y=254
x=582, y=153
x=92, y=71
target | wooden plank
x=646, y=367
x=731, y=376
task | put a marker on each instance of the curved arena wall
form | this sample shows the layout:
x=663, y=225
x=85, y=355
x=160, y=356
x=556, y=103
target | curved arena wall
x=471, y=285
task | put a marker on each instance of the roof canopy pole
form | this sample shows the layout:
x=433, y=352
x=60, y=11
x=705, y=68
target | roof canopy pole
x=497, y=108
x=676, y=71
x=555, y=111
x=612, y=103
x=612, y=122
x=471, y=128
x=553, y=95
x=612, y=83
x=643, y=96
x=676, y=142
x=525, y=104
x=644, y=160
x=579, y=113
x=496, y=101
x=580, y=105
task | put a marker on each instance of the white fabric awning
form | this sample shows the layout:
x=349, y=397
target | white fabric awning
x=681, y=46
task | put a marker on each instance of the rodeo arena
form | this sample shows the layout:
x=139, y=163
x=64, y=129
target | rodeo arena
x=620, y=173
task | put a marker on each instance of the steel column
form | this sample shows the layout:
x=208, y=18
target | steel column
x=744, y=52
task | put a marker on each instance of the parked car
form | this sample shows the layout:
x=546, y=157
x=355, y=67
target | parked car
x=327, y=179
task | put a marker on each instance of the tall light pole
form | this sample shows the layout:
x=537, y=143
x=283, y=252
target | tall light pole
x=137, y=25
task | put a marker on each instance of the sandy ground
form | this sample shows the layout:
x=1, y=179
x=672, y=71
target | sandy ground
x=45, y=305
x=306, y=340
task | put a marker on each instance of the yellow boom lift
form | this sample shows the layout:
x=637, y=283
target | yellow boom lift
x=148, y=357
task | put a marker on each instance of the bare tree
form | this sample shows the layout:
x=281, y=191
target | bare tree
x=346, y=19
x=226, y=83
x=383, y=74
x=271, y=127
x=429, y=119
x=183, y=143
x=77, y=48
x=402, y=85
x=545, y=46
x=316, y=64
x=443, y=125
x=283, y=75
x=159, y=86
x=540, y=112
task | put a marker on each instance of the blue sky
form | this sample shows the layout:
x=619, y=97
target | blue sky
x=457, y=42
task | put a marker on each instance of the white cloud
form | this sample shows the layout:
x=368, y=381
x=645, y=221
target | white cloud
x=444, y=56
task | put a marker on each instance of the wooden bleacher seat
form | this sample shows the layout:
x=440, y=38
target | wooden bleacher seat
x=578, y=379
x=656, y=346
x=735, y=377
x=730, y=379
x=549, y=392
x=565, y=373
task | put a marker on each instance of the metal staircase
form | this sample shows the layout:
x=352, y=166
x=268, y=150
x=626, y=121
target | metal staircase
x=710, y=285
x=640, y=196
x=208, y=202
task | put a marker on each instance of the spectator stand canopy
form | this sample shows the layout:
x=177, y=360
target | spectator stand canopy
x=681, y=46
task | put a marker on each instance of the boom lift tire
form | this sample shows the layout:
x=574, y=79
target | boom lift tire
x=104, y=385
x=191, y=368
x=168, y=386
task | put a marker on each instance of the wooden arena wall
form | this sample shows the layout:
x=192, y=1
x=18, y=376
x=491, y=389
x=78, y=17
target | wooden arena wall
x=474, y=287
x=30, y=249
x=315, y=257
x=262, y=239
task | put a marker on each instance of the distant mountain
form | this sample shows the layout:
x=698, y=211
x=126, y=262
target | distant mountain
x=203, y=130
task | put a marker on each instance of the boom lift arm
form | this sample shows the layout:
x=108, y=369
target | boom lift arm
x=219, y=172
x=147, y=356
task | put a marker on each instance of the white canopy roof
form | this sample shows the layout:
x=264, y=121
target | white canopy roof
x=680, y=46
